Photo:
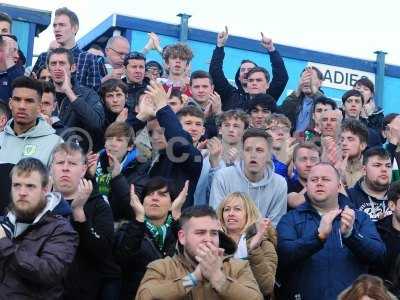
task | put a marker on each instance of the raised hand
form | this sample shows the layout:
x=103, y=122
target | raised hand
x=267, y=43
x=222, y=37
x=156, y=41
x=210, y=260
x=325, y=225
x=136, y=205
x=288, y=147
x=261, y=229
x=115, y=165
x=202, y=145
x=214, y=147
x=150, y=43
x=85, y=189
x=392, y=134
x=347, y=218
x=92, y=159
x=176, y=207
x=233, y=155
x=122, y=116
x=157, y=93
x=146, y=109
x=216, y=104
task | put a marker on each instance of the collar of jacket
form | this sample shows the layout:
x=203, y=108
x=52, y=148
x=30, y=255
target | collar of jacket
x=131, y=84
x=386, y=225
x=225, y=242
x=306, y=206
x=268, y=235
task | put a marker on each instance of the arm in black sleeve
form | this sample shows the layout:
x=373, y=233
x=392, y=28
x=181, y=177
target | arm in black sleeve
x=90, y=110
x=120, y=198
x=391, y=148
x=136, y=124
x=96, y=234
x=179, y=141
x=129, y=239
x=221, y=83
x=280, y=75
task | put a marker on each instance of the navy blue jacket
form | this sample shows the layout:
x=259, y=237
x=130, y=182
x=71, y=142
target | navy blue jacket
x=180, y=144
x=233, y=97
x=313, y=269
x=375, y=208
x=6, y=79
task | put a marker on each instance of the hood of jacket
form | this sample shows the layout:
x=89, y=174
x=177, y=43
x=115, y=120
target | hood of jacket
x=268, y=173
x=15, y=228
x=42, y=128
x=63, y=208
x=225, y=242
x=342, y=200
x=237, y=81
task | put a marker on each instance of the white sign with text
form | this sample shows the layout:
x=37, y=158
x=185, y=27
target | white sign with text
x=340, y=78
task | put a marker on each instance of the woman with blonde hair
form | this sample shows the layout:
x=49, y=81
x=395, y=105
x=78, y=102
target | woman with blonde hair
x=367, y=287
x=255, y=237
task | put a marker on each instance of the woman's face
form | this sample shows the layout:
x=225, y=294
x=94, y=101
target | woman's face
x=234, y=216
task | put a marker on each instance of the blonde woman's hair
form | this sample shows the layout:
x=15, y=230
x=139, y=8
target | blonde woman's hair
x=252, y=213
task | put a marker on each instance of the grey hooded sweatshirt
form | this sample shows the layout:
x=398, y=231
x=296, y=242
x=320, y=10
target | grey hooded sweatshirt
x=269, y=194
x=37, y=142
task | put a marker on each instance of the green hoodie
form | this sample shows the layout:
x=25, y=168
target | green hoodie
x=37, y=142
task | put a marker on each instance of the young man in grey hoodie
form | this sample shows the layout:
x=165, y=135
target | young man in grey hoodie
x=255, y=175
x=25, y=134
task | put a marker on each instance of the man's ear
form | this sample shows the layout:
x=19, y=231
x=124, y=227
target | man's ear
x=363, y=146
x=49, y=186
x=364, y=170
x=392, y=205
x=383, y=132
x=181, y=237
x=75, y=29
x=73, y=68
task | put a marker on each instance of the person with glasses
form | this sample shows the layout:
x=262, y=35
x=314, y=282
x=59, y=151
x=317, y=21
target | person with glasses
x=278, y=126
x=305, y=156
x=117, y=49
x=135, y=68
x=154, y=70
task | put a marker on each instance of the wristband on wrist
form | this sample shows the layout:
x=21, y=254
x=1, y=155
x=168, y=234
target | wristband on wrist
x=193, y=279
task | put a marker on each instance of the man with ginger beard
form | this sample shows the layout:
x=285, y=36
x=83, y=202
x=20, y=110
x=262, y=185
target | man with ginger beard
x=200, y=270
x=370, y=193
x=36, y=244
